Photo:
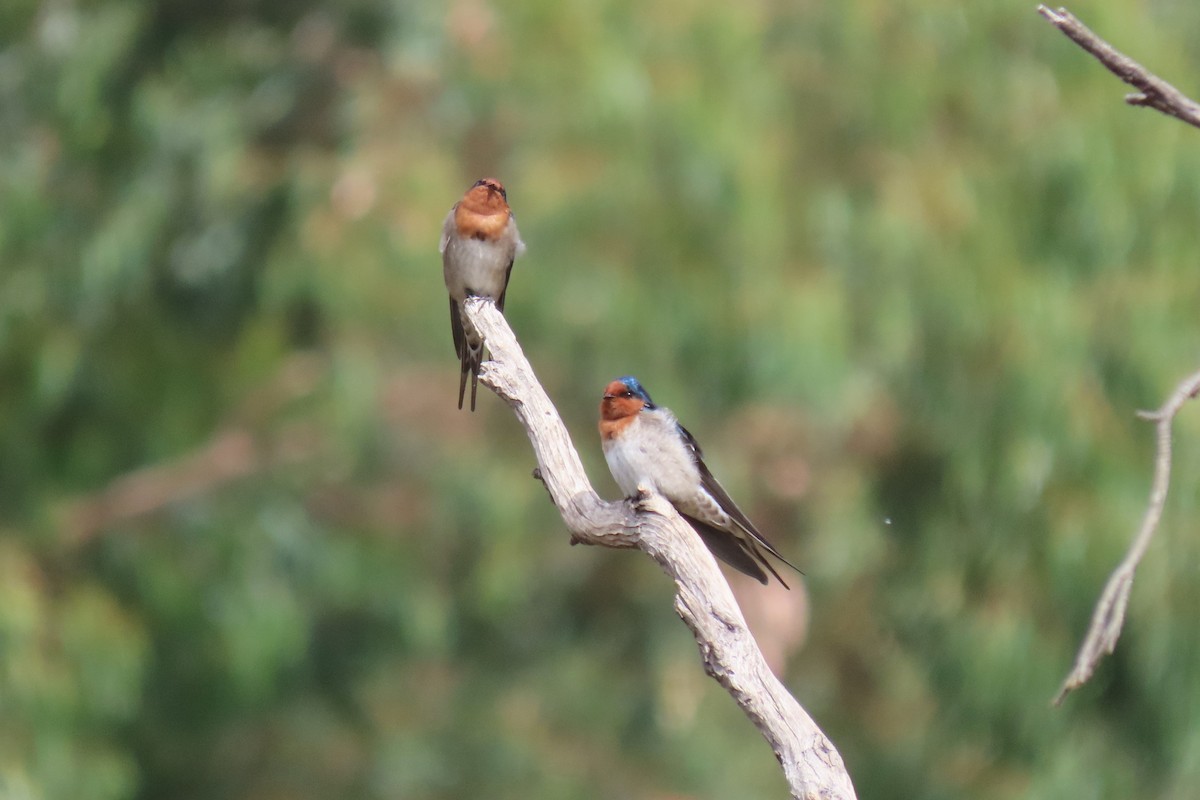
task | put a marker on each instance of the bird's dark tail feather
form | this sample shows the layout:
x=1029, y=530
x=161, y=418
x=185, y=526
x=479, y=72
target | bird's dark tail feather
x=468, y=369
x=472, y=359
x=462, y=388
x=469, y=356
x=738, y=553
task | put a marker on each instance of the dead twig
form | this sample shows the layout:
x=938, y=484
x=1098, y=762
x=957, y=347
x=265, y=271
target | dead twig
x=1152, y=91
x=1109, y=616
x=703, y=600
x=234, y=452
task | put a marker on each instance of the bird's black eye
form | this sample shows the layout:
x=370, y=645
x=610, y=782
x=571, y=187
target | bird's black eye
x=626, y=393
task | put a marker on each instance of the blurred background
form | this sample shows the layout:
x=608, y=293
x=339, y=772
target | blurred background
x=906, y=270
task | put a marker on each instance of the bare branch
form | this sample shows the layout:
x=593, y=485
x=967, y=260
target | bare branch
x=1153, y=91
x=231, y=455
x=1109, y=615
x=237, y=450
x=704, y=601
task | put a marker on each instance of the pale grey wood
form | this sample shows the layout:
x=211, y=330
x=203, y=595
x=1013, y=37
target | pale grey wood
x=1152, y=91
x=703, y=599
x=1108, y=618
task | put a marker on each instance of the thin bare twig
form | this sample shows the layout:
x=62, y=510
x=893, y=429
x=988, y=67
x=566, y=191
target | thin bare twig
x=234, y=452
x=1153, y=91
x=811, y=765
x=1109, y=616
x=229, y=456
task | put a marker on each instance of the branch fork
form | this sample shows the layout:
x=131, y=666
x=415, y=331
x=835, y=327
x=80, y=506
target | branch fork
x=1109, y=615
x=1152, y=91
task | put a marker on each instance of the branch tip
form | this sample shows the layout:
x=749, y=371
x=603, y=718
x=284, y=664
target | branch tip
x=1050, y=14
x=1153, y=91
x=1109, y=615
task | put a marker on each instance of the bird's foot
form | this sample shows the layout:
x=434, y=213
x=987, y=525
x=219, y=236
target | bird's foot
x=641, y=500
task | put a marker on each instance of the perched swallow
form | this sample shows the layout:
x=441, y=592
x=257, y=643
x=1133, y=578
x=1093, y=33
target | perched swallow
x=644, y=444
x=479, y=243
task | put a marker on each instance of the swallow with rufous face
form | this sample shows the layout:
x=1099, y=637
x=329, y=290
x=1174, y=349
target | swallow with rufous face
x=645, y=446
x=478, y=246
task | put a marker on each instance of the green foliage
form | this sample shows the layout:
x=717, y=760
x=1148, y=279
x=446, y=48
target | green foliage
x=906, y=270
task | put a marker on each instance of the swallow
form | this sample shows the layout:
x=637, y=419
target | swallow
x=645, y=445
x=479, y=244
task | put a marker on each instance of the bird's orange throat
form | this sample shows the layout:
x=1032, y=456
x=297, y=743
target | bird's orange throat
x=482, y=214
x=617, y=414
x=613, y=428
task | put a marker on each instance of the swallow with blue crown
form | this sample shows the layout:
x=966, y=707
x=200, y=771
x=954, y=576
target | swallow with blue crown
x=645, y=446
x=478, y=246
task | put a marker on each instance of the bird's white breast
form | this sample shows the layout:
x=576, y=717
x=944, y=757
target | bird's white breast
x=650, y=453
x=478, y=266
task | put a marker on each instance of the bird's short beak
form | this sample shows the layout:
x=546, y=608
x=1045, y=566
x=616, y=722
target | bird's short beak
x=609, y=396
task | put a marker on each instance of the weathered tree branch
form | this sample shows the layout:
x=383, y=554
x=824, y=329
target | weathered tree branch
x=1109, y=616
x=704, y=601
x=1153, y=91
